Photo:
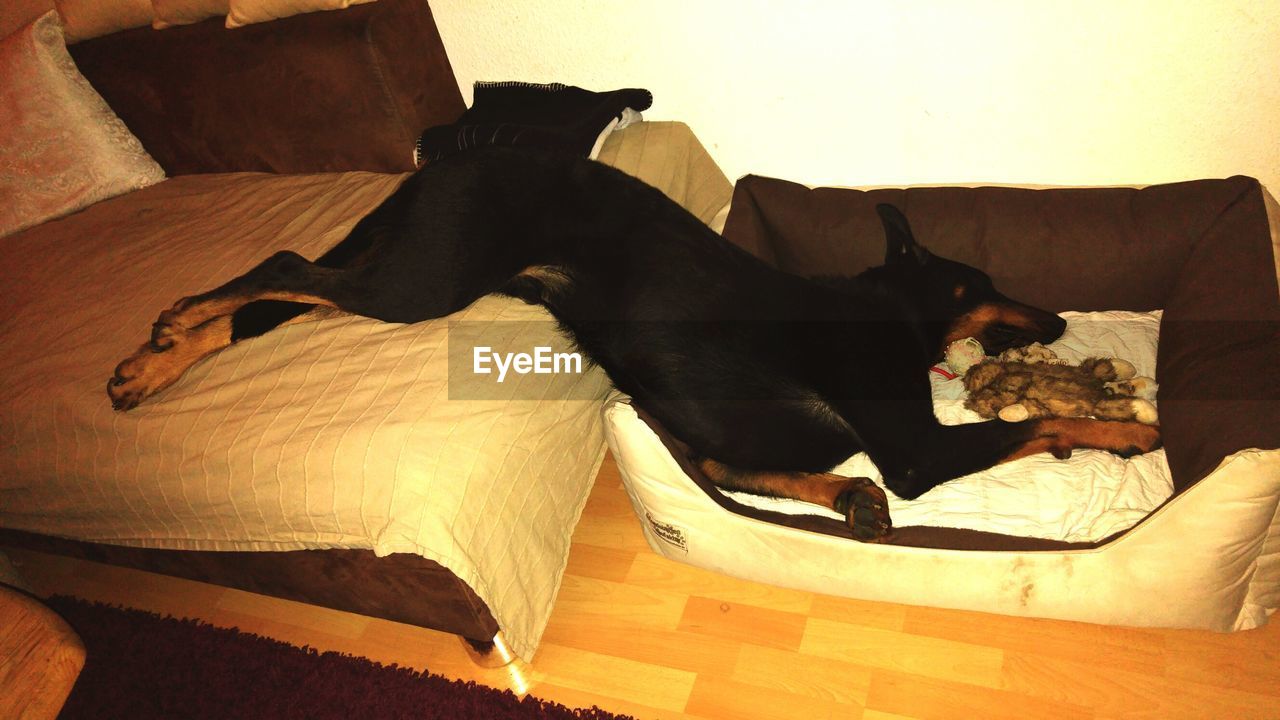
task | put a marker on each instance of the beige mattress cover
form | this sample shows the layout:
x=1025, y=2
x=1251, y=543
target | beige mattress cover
x=337, y=433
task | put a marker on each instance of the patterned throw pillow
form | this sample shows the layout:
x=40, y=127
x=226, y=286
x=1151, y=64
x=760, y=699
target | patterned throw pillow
x=85, y=19
x=247, y=12
x=170, y=13
x=61, y=146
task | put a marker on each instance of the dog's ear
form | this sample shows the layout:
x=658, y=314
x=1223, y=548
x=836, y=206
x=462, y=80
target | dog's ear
x=899, y=243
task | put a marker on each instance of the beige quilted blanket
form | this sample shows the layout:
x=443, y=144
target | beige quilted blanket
x=333, y=433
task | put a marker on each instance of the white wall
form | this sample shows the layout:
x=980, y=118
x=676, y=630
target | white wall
x=917, y=91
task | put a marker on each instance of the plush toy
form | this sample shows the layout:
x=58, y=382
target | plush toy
x=1033, y=382
x=964, y=354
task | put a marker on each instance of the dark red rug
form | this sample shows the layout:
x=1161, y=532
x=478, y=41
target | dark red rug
x=140, y=665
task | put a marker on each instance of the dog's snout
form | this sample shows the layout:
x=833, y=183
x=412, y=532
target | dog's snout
x=1052, y=326
x=1039, y=325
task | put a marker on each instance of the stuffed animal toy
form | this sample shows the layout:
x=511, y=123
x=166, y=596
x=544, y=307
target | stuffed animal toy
x=1033, y=382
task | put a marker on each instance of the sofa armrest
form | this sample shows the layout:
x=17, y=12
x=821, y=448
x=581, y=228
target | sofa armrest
x=668, y=156
x=319, y=92
x=1219, y=341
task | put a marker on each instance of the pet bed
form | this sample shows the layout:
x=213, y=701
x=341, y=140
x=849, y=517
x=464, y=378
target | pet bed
x=1188, y=536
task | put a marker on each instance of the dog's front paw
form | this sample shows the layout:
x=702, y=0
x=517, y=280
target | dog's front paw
x=1136, y=438
x=866, y=510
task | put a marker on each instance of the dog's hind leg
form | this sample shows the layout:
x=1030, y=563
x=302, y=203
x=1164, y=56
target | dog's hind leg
x=285, y=276
x=261, y=316
x=860, y=500
x=195, y=327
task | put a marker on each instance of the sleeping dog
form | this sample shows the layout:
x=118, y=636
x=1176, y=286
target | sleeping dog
x=769, y=378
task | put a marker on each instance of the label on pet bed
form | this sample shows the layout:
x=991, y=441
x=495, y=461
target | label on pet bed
x=669, y=533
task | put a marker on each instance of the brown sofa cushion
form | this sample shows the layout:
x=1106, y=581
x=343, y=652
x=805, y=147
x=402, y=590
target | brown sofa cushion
x=1201, y=250
x=320, y=92
x=247, y=12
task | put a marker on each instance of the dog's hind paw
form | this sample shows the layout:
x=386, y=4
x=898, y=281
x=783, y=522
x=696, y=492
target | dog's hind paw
x=866, y=509
x=141, y=375
x=163, y=359
x=163, y=335
x=128, y=385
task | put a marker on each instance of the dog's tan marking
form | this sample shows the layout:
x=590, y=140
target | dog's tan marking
x=977, y=320
x=158, y=363
x=319, y=312
x=972, y=323
x=817, y=488
x=1060, y=436
x=864, y=504
x=554, y=280
x=193, y=311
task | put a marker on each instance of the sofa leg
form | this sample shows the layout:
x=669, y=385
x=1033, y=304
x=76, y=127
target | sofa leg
x=492, y=653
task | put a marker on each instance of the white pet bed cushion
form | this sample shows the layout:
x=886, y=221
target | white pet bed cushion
x=1225, y=579
x=1088, y=497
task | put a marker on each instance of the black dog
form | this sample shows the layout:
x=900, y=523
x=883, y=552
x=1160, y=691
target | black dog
x=771, y=379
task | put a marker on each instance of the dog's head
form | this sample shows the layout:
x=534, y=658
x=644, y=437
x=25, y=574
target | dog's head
x=958, y=298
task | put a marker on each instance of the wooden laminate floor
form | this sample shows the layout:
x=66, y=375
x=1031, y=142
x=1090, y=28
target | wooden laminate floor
x=635, y=633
